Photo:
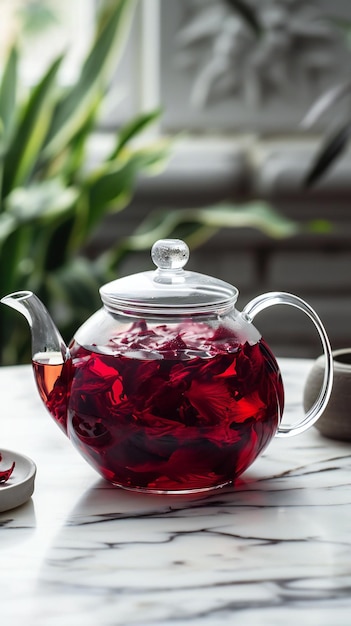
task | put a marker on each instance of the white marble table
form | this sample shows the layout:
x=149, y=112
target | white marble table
x=80, y=552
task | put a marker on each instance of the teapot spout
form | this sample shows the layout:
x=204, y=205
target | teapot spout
x=45, y=336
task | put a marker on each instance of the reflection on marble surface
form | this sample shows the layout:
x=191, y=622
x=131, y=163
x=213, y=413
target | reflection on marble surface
x=275, y=550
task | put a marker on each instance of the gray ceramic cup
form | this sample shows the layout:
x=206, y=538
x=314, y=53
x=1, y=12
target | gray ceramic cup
x=335, y=421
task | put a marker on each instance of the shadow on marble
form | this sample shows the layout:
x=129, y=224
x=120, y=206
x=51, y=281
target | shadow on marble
x=22, y=519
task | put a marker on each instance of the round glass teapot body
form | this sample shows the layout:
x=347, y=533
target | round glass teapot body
x=170, y=388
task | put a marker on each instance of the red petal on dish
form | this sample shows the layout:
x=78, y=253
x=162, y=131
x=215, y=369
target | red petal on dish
x=5, y=474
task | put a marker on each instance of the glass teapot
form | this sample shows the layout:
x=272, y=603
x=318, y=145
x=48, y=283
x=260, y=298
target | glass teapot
x=167, y=388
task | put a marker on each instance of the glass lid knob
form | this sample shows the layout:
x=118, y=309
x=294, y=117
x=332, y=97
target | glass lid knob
x=169, y=288
x=170, y=254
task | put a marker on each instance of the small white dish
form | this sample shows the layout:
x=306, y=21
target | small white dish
x=20, y=486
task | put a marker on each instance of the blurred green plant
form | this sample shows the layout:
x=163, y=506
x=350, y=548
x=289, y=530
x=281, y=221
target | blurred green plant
x=50, y=202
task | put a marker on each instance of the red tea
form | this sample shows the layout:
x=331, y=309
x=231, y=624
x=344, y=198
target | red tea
x=161, y=412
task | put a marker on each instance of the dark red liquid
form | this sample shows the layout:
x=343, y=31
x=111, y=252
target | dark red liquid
x=172, y=422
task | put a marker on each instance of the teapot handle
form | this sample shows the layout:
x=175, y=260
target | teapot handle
x=277, y=297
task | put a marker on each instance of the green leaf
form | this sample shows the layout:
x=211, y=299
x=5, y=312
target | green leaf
x=202, y=224
x=111, y=186
x=72, y=110
x=43, y=201
x=8, y=88
x=32, y=216
x=258, y=215
x=8, y=223
x=76, y=287
x=133, y=128
x=73, y=158
x=23, y=152
x=14, y=249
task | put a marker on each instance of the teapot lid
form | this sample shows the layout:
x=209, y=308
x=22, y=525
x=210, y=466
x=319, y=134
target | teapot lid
x=168, y=289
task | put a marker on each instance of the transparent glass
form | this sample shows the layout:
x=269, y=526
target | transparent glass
x=312, y=415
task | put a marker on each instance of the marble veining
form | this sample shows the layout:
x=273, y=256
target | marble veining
x=275, y=550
